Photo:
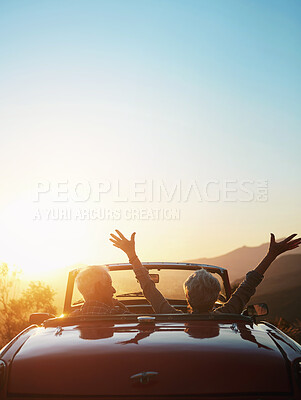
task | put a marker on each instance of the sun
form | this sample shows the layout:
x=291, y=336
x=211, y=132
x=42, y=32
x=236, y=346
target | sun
x=37, y=247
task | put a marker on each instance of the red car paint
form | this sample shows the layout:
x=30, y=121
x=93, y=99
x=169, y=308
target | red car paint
x=179, y=356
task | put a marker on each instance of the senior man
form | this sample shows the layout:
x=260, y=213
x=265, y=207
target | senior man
x=201, y=288
x=95, y=284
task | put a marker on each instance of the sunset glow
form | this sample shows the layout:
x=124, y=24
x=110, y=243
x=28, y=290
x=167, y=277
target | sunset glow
x=187, y=134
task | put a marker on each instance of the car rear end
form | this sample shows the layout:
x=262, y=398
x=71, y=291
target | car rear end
x=152, y=357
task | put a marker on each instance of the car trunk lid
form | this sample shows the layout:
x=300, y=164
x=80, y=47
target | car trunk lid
x=173, y=358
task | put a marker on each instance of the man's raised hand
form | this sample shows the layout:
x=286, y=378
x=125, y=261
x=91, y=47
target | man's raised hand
x=128, y=246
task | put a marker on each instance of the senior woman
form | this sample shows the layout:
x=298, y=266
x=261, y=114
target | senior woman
x=201, y=288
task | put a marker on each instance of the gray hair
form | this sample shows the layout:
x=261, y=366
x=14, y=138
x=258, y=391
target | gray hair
x=202, y=290
x=88, y=276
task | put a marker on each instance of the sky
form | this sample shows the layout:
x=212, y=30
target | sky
x=179, y=120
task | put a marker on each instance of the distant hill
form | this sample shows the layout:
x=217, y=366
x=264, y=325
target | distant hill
x=281, y=288
x=239, y=261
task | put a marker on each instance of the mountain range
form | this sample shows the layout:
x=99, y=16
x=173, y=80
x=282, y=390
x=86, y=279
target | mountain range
x=239, y=261
x=281, y=289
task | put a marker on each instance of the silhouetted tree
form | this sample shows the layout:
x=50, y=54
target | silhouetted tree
x=15, y=311
x=8, y=286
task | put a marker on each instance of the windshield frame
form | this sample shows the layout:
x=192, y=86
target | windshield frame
x=149, y=265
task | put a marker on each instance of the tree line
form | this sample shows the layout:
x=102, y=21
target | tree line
x=15, y=309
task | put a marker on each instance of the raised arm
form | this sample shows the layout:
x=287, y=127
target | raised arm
x=151, y=293
x=247, y=288
x=128, y=246
x=275, y=250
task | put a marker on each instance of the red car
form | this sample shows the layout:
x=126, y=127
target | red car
x=149, y=356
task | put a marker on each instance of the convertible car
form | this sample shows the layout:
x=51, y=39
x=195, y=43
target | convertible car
x=143, y=355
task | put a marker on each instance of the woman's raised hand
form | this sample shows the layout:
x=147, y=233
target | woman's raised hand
x=285, y=245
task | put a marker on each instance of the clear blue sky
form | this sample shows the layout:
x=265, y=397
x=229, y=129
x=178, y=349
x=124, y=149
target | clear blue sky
x=155, y=90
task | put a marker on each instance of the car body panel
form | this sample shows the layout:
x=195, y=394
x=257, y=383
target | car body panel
x=188, y=357
x=175, y=356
